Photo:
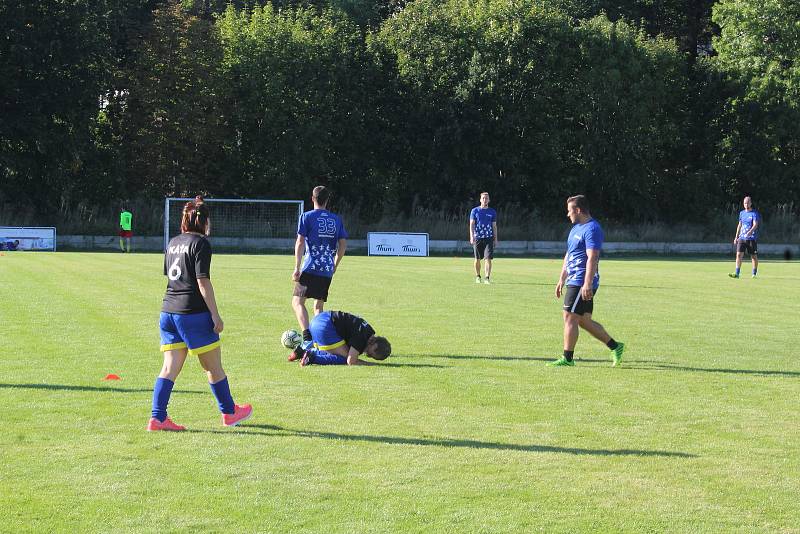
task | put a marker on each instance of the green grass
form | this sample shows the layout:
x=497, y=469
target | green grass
x=463, y=429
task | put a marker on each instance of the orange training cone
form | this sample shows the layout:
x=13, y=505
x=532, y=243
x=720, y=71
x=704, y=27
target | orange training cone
x=112, y=376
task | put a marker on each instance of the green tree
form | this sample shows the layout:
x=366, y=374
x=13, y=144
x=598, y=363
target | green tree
x=301, y=86
x=759, y=49
x=167, y=111
x=686, y=21
x=56, y=58
x=513, y=97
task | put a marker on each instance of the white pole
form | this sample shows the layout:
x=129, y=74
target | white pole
x=166, y=223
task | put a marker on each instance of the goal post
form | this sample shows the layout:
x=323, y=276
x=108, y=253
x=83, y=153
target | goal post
x=244, y=223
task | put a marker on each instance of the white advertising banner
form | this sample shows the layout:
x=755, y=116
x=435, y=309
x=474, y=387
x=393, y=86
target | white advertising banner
x=397, y=244
x=30, y=238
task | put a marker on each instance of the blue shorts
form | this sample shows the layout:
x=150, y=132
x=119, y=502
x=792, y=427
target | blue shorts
x=194, y=331
x=320, y=357
x=323, y=332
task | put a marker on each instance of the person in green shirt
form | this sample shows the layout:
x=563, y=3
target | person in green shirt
x=125, y=229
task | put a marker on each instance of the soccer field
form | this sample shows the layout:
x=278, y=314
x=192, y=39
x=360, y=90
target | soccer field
x=462, y=429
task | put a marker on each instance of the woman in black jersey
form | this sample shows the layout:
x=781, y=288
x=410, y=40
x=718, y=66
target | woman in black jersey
x=190, y=322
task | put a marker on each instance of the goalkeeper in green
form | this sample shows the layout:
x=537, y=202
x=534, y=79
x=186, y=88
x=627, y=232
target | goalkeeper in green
x=125, y=229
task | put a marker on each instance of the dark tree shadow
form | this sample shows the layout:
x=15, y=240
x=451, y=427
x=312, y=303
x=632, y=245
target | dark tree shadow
x=517, y=283
x=99, y=389
x=506, y=358
x=394, y=364
x=555, y=356
x=756, y=372
x=421, y=365
x=521, y=283
x=275, y=431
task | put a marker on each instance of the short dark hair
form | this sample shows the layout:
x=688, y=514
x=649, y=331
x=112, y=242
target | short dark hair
x=321, y=194
x=580, y=202
x=383, y=349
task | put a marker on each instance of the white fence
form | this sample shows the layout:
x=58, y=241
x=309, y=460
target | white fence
x=520, y=248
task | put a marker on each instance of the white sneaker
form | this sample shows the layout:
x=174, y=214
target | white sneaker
x=486, y=281
x=477, y=279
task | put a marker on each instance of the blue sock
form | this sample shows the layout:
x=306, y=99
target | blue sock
x=326, y=358
x=222, y=392
x=755, y=271
x=161, y=392
x=737, y=270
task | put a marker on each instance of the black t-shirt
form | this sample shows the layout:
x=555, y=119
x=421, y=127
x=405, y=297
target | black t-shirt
x=354, y=330
x=188, y=258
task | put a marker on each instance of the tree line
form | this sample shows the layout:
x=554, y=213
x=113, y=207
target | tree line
x=658, y=111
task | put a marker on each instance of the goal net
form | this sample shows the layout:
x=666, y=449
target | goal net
x=241, y=224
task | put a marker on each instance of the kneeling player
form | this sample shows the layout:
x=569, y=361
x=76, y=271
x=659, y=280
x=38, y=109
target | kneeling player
x=339, y=339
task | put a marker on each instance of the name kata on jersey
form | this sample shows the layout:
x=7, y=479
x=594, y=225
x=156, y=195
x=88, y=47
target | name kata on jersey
x=179, y=249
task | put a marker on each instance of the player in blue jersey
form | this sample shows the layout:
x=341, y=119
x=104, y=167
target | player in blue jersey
x=320, y=246
x=9, y=245
x=483, y=236
x=340, y=338
x=581, y=276
x=746, y=238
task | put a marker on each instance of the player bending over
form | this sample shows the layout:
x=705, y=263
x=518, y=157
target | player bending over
x=339, y=339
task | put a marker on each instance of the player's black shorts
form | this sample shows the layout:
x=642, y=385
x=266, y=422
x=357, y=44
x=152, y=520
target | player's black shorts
x=312, y=286
x=749, y=245
x=574, y=303
x=484, y=248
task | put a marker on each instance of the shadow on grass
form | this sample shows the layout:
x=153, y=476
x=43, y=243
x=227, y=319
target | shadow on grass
x=578, y=359
x=421, y=365
x=276, y=430
x=99, y=389
x=548, y=284
x=506, y=358
x=716, y=370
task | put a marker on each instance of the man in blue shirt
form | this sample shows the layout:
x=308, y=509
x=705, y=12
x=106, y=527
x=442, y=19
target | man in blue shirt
x=581, y=276
x=483, y=236
x=320, y=246
x=746, y=238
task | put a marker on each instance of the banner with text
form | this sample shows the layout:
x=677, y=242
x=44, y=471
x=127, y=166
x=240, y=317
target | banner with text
x=397, y=244
x=27, y=238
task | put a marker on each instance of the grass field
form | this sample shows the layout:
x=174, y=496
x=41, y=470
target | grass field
x=463, y=429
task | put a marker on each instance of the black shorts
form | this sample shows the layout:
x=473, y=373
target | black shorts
x=750, y=246
x=312, y=286
x=484, y=248
x=574, y=303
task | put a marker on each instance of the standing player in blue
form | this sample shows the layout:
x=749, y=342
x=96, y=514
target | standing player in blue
x=746, y=238
x=320, y=246
x=483, y=236
x=581, y=276
x=340, y=338
x=190, y=322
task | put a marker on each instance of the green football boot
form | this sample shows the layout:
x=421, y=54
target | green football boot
x=561, y=362
x=618, y=353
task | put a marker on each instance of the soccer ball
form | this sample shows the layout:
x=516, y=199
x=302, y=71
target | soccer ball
x=291, y=339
